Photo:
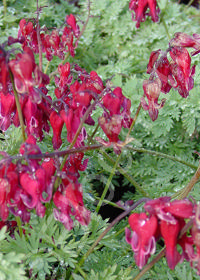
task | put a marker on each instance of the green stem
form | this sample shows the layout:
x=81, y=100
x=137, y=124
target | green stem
x=19, y=225
x=126, y=175
x=109, y=202
x=163, y=21
x=158, y=154
x=165, y=26
x=93, y=133
x=81, y=271
x=19, y=110
x=46, y=68
x=4, y=7
x=117, y=162
x=108, y=183
x=134, y=120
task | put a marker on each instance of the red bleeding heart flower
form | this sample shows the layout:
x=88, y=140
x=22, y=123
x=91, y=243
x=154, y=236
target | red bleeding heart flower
x=33, y=186
x=161, y=67
x=23, y=68
x=182, y=71
x=116, y=115
x=8, y=185
x=111, y=127
x=184, y=40
x=57, y=125
x=142, y=240
x=28, y=35
x=72, y=121
x=152, y=60
x=71, y=21
x=70, y=203
x=152, y=89
x=7, y=110
x=170, y=233
x=4, y=73
x=164, y=73
x=4, y=190
x=164, y=219
x=140, y=8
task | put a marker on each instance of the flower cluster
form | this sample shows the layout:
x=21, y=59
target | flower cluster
x=73, y=100
x=116, y=115
x=75, y=89
x=165, y=74
x=68, y=197
x=26, y=186
x=30, y=183
x=30, y=83
x=54, y=44
x=166, y=219
x=140, y=8
x=75, y=97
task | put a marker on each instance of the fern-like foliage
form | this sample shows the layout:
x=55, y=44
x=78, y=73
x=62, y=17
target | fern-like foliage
x=11, y=266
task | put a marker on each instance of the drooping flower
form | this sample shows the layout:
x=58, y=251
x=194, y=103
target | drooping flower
x=170, y=215
x=152, y=89
x=4, y=72
x=184, y=40
x=169, y=211
x=8, y=187
x=152, y=60
x=68, y=40
x=182, y=71
x=72, y=121
x=181, y=39
x=164, y=73
x=164, y=219
x=111, y=127
x=72, y=167
x=33, y=187
x=57, y=125
x=28, y=35
x=160, y=66
x=116, y=115
x=71, y=21
x=53, y=44
x=140, y=8
x=70, y=203
x=180, y=208
x=169, y=232
x=7, y=110
x=27, y=74
x=142, y=239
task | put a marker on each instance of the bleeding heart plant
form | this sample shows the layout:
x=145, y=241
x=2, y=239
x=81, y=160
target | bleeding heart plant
x=64, y=103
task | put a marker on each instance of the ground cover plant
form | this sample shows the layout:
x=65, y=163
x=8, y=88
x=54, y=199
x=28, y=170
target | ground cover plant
x=99, y=120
